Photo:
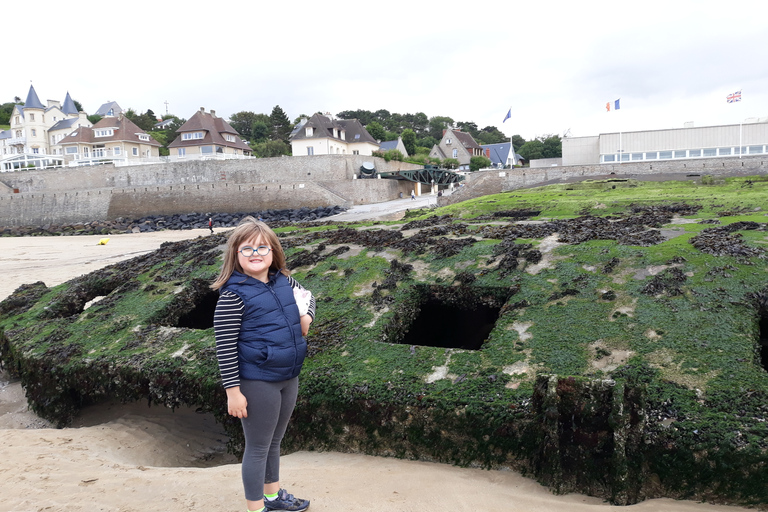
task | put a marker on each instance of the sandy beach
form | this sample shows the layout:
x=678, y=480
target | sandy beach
x=145, y=459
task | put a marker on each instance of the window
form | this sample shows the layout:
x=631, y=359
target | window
x=755, y=150
x=116, y=150
x=310, y=150
x=710, y=151
x=663, y=155
x=35, y=150
x=455, y=153
x=18, y=134
x=448, y=140
x=724, y=151
x=694, y=152
x=34, y=132
x=71, y=150
x=143, y=136
x=355, y=152
x=31, y=117
x=135, y=151
x=637, y=156
x=206, y=150
x=679, y=153
x=190, y=136
x=230, y=138
x=104, y=133
x=17, y=120
x=308, y=131
x=182, y=152
x=624, y=157
x=110, y=112
x=609, y=158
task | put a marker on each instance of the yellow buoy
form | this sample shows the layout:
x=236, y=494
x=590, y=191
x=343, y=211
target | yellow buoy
x=103, y=241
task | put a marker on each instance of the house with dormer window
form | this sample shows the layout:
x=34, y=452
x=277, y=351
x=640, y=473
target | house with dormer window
x=36, y=128
x=323, y=135
x=112, y=138
x=458, y=145
x=206, y=135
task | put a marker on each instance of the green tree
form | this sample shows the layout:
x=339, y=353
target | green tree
x=260, y=131
x=94, y=118
x=376, y=130
x=78, y=105
x=281, y=125
x=532, y=150
x=517, y=142
x=271, y=148
x=242, y=122
x=491, y=135
x=437, y=125
x=553, y=147
x=479, y=162
x=409, y=141
x=450, y=163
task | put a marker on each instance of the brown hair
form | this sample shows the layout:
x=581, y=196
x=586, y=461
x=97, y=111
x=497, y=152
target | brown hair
x=250, y=229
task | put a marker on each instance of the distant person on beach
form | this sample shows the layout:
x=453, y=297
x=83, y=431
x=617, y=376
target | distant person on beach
x=210, y=224
x=413, y=195
x=260, y=321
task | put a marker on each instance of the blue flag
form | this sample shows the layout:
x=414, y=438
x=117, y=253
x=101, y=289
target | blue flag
x=509, y=115
x=616, y=105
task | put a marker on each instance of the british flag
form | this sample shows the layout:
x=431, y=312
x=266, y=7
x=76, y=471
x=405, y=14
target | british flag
x=733, y=98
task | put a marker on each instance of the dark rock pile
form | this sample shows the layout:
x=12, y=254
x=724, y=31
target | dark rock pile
x=173, y=222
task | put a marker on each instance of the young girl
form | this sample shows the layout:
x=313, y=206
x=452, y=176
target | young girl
x=260, y=347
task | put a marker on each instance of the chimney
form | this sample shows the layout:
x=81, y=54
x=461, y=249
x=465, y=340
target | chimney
x=202, y=109
x=213, y=113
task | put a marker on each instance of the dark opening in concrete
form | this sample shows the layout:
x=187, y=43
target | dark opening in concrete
x=764, y=340
x=448, y=316
x=201, y=315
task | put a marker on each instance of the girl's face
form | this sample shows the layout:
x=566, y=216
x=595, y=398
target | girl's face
x=255, y=265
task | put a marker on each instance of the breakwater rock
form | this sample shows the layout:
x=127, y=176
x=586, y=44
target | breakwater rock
x=175, y=222
x=598, y=354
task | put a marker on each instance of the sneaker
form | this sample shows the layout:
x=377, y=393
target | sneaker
x=285, y=501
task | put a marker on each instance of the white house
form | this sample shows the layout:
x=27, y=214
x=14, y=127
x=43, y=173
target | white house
x=322, y=135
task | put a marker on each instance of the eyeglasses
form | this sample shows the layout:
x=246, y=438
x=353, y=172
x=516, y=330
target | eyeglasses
x=249, y=251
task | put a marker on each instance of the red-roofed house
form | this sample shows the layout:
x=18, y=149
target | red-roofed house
x=207, y=135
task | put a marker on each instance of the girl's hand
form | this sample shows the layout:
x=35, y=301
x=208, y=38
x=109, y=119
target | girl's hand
x=236, y=403
x=306, y=320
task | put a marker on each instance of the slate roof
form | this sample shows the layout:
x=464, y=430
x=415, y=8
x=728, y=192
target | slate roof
x=64, y=123
x=5, y=134
x=104, y=109
x=32, y=100
x=498, y=153
x=214, y=130
x=387, y=145
x=125, y=130
x=323, y=128
x=69, y=105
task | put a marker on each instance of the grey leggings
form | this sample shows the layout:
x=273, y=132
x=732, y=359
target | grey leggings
x=270, y=405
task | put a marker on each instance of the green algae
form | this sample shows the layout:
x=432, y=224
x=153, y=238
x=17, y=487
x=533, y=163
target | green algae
x=622, y=371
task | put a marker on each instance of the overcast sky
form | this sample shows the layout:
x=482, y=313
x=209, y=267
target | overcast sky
x=555, y=64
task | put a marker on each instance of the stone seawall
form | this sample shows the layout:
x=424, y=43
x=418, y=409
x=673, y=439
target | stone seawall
x=494, y=182
x=105, y=192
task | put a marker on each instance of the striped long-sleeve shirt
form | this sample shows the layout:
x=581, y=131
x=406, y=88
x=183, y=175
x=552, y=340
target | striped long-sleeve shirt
x=227, y=319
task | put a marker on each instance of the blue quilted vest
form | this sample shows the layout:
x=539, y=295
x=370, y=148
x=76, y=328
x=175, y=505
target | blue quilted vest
x=270, y=344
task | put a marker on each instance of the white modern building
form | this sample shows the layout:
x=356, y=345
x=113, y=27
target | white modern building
x=734, y=140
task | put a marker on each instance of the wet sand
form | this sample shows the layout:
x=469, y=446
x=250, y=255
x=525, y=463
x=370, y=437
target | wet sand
x=137, y=458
